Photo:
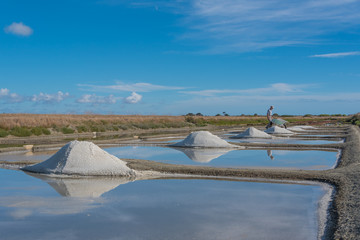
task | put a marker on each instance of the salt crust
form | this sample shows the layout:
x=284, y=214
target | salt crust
x=252, y=132
x=203, y=139
x=278, y=130
x=82, y=158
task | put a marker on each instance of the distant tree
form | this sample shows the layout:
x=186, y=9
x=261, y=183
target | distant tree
x=225, y=114
x=199, y=114
x=255, y=114
x=276, y=115
x=308, y=115
x=218, y=115
x=190, y=114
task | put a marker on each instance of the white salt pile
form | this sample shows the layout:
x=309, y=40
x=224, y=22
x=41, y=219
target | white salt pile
x=278, y=130
x=252, y=132
x=82, y=158
x=203, y=139
x=301, y=128
x=296, y=129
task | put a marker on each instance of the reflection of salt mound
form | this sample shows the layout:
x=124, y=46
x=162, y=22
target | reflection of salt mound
x=203, y=139
x=82, y=158
x=84, y=186
x=203, y=155
x=278, y=130
x=252, y=132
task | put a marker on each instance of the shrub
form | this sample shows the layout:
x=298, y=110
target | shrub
x=20, y=132
x=81, y=129
x=3, y=133
x=45, y=131
x=355, y=120
x=36, y=131
x=66, y=130
x=40, y=130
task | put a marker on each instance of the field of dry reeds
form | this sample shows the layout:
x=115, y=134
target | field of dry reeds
x=38, y=124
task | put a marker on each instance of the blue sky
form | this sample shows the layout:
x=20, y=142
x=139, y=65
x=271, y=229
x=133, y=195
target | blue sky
x=175, y=57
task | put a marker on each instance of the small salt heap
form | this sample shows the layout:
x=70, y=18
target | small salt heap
x=252, y=132
x=301, y=128
x=82, y=158
x=278, y=130
x=203, y=139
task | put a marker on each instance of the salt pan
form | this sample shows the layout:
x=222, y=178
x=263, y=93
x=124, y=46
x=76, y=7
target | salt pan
x=82, y=158
x=252, y=132
x=278, y=130
x=203, y=139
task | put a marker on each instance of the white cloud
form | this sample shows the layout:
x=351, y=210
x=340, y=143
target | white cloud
x=94, y=99
x=45, y=97
x=19, y=29
x=276, y=88
x=336, y=55
x=135, y=87
x=10, y=97
x=133, y=98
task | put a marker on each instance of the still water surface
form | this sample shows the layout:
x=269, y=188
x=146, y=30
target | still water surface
x=38, y=207
x=230, y=158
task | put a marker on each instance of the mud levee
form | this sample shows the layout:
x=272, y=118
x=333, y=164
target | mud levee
x=345, y=209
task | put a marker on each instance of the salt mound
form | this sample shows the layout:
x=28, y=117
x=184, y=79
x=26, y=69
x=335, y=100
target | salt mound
x=306, y=127
x=297, y=129
x=203, y=139
x=252, y=132
x=278, y=130
x=302, y=128
x=82, y=158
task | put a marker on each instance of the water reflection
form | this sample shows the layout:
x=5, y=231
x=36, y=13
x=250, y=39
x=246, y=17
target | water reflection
x=269, y=153
x=83, y=187
x=156, y=209
x=203, y=155
x=307, y=159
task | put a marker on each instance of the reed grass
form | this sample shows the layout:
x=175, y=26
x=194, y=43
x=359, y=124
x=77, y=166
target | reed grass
x=38, y=124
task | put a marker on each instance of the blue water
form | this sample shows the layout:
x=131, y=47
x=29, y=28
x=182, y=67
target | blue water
x=229, y=157
x=35, y=207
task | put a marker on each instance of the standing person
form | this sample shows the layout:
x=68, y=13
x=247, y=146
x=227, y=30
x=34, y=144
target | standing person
x=269, y=117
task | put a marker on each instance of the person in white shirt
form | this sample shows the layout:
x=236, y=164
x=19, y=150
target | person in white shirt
x=269, y=117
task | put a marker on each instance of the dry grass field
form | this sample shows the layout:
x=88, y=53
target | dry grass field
x=39, y=124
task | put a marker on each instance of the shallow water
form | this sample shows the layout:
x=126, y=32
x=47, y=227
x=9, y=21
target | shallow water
x=33, y=208
x=230, y=158
x=27, y=156
x=284, y=141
